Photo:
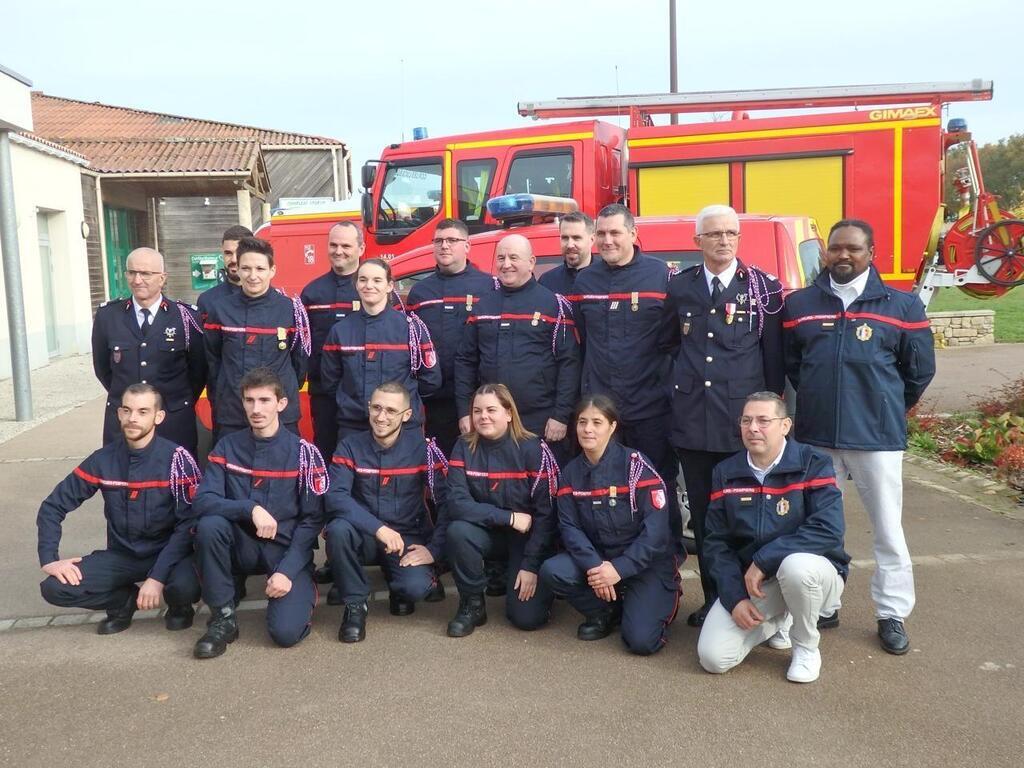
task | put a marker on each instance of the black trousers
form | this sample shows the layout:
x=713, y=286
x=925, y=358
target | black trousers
x=324, y=411
x=442, y=423
x=650, y=437
x=697, y=468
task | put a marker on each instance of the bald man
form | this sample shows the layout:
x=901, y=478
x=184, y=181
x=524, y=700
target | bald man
x=523, y=336
x=151, y=339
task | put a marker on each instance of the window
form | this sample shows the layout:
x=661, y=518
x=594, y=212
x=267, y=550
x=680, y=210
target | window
x=678, y=259
x=474, y=190
x=541, y=174
x=404, y=285
x=810, y=259
x=411, y=196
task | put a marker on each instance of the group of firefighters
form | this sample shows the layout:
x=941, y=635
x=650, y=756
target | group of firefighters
x=524, y=433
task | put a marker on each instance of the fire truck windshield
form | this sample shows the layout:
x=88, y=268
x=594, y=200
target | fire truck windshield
x=411, y=196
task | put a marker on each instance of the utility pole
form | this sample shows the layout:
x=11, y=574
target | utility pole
x=673, y=75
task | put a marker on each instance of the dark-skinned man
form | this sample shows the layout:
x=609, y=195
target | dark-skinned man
x=152, y=339
x=147, y=484
x=726, y=330
x=860, y=355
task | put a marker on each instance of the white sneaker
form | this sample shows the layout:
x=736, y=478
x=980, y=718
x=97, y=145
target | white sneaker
x=780, y=640
x=805, y=666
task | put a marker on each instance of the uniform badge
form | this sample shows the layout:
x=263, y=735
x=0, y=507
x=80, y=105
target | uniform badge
x=282, y=336
x=730, y=312
x=634, y=300
x=169, y=333
x=741, y=299
x=429, y=358
x=782, y=508
x=536, y=318
x=469, y=302
x=864, y=332
x=658, y=498
x=116, y=355
x=355, y=305
x=686, y=327
x=612, y=493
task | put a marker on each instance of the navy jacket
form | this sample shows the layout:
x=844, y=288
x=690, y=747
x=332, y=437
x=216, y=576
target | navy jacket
x=597, y=519
x=373, y=486
x=486, y=485
x=561, y=279
x=524, y=339
x=212, y=296
x=444, y=302
x=723, y=353
x=327, y=299
x=856, y=372
x=146, y=516
x=363, y=351
x=243, y=333
x=168, y=353
x=283, y=474
x=798, y=508
x=620, y=313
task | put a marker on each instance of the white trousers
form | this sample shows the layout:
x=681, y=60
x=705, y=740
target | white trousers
x=878, y=477
x=806, y=586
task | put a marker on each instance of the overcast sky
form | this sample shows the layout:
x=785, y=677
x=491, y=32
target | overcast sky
x=366, y=72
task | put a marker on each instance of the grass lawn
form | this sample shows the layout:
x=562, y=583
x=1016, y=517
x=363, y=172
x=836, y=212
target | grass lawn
x=1009, y=309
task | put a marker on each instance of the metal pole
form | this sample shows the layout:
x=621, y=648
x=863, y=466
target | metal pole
x=12, y=286
x=673, y=75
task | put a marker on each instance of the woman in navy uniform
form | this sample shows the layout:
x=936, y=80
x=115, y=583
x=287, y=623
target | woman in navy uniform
x=376, y=344
x=613, y=516
x=501, y=484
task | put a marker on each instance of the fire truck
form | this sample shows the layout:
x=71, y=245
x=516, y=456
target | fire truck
x=876, y=154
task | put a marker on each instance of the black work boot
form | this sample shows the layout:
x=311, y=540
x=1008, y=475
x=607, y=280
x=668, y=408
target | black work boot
x=497, y=577
x=119, y=619
x=353, y=625
x=179, y=617
x=221, y=629
x=323, y=574
x=599, y=625
x=435, y=595
x=334, y=595
x=472, y=613
x=399, y=607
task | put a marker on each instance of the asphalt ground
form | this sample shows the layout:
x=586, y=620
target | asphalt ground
x=409, y=694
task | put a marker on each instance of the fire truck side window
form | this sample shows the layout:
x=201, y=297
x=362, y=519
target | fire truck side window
x=475, y=178
x=541, y=174
x=810, y=258
x=411, y=196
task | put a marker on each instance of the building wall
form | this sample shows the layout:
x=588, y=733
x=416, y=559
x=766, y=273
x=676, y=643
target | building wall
x=299, y=173
x=187, y=225
x=90, y=209
x=53, y=185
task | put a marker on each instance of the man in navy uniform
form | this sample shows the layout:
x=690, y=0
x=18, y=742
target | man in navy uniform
x=860, y=355
x=774, y=545
x=443, y=301
x=147, y=484
x=725, y=327
x=152, y=339
x=260, y=511
x=253, y=328
x=523, y=336
x=229, y=282
x=576, y=237
x=327, y=299
x=377, y=511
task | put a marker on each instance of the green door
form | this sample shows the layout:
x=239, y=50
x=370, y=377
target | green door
x=120, y=224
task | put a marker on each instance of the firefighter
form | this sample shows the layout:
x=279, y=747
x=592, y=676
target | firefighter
x=260, y=509
x=726, y=330
x=256, y=327
x=228, y=281
x=374, y=345
x=328, y=299
x=621, y=319
x=619, y=565
x=501, y=482
x=444, y=300
x=860, y=355
x=523, y=336
x=774, y=545
x=147, y=484
x=377, y=512
x=576, y=238
x=152, y=339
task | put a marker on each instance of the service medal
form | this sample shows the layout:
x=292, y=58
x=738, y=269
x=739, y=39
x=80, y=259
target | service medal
x=864, y=332
x=782, y=508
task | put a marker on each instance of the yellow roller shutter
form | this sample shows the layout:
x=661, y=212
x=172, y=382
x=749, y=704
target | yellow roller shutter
x=682, y=190
x=811, y=186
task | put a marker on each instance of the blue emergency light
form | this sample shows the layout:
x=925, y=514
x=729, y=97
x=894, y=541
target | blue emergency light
x=523, y=204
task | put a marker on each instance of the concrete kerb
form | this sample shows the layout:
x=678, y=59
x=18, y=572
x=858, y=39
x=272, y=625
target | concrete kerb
x=993, y=495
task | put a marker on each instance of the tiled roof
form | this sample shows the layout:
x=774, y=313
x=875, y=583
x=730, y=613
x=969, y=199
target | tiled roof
x=53, y=145
x=145, y=157
x=68, y=120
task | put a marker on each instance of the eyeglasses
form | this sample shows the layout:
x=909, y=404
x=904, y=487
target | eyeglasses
x=721, y=234
x=389, y=412
x=449, y=241
x=144, y=276
x=761, y=421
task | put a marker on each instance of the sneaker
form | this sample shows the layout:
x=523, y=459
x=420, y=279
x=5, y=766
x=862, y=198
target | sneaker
x=805, y=666
x=780, y=640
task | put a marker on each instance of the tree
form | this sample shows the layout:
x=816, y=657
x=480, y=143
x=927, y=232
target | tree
x=1002, y=165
